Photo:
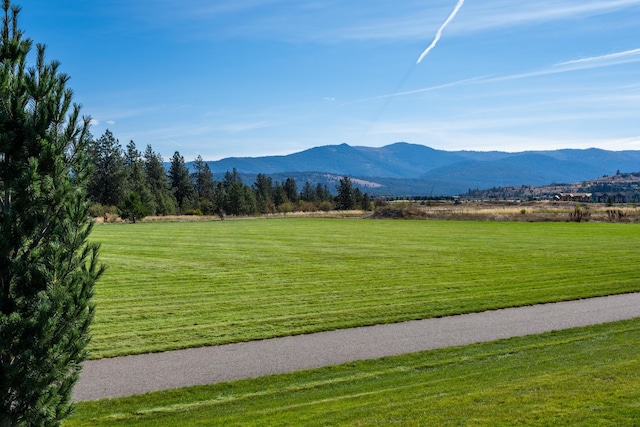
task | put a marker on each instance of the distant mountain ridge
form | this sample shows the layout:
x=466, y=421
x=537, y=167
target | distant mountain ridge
x=411, y=169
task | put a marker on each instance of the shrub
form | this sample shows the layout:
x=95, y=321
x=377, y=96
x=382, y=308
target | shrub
x=306, y=207
x=580, y=214
x=107, y=213
x=379, y=202
x=96, y=210
x=616, y=215
x=399, y=211
x=285, y=207
x=325, y=206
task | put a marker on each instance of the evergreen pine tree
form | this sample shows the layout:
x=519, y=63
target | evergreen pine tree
x=357, y=198
x=263, y=190
x=323, y=193
x=234, y=197
x=308, y=193
x=158, y=183
x=345, y=200
x=204, y=184
x=231, y=178
x=47, y=268
x=138, y=200
x=279, y=195
x=221, y=200
x=108, y=180
x=291, y=189
x=181, y=184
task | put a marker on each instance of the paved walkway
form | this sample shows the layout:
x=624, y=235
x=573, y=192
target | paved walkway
x=124, y=376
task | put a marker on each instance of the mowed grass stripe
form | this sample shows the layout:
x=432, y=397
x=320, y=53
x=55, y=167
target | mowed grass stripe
x=582, y=376
x=178, y=285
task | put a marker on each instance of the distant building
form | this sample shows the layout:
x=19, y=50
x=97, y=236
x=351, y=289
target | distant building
x=619, y=197
x=574, y=197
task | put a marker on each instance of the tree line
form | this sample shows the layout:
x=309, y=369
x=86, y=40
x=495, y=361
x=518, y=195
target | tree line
x=135, y=184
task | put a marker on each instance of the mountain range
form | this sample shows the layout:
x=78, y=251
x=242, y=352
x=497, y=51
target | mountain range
x=411, y=169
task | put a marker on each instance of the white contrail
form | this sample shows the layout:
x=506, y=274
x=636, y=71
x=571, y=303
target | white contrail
x=601, y=58
x=439, y=33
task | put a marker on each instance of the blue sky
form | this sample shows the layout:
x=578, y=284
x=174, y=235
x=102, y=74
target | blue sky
x=263, y=77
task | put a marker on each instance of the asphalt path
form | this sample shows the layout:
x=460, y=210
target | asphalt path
x=130, y=375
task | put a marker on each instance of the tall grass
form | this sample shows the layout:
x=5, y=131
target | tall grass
x=177, y=285
x=524, y=211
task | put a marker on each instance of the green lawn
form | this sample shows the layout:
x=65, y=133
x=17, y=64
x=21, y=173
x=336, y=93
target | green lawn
x=177, y=285
x=585, y=376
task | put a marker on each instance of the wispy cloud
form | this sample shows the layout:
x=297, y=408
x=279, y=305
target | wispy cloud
x=243, y=126
x=360, y=20
x=409, y=23
x=421, y=90
x=514, y=13
x=127, y=112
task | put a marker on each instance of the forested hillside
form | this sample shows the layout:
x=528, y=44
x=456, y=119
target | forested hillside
x=135, y=184
x=404, y=168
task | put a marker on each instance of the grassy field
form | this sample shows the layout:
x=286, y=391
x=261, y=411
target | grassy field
x=177, y=285
x=585, y=376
